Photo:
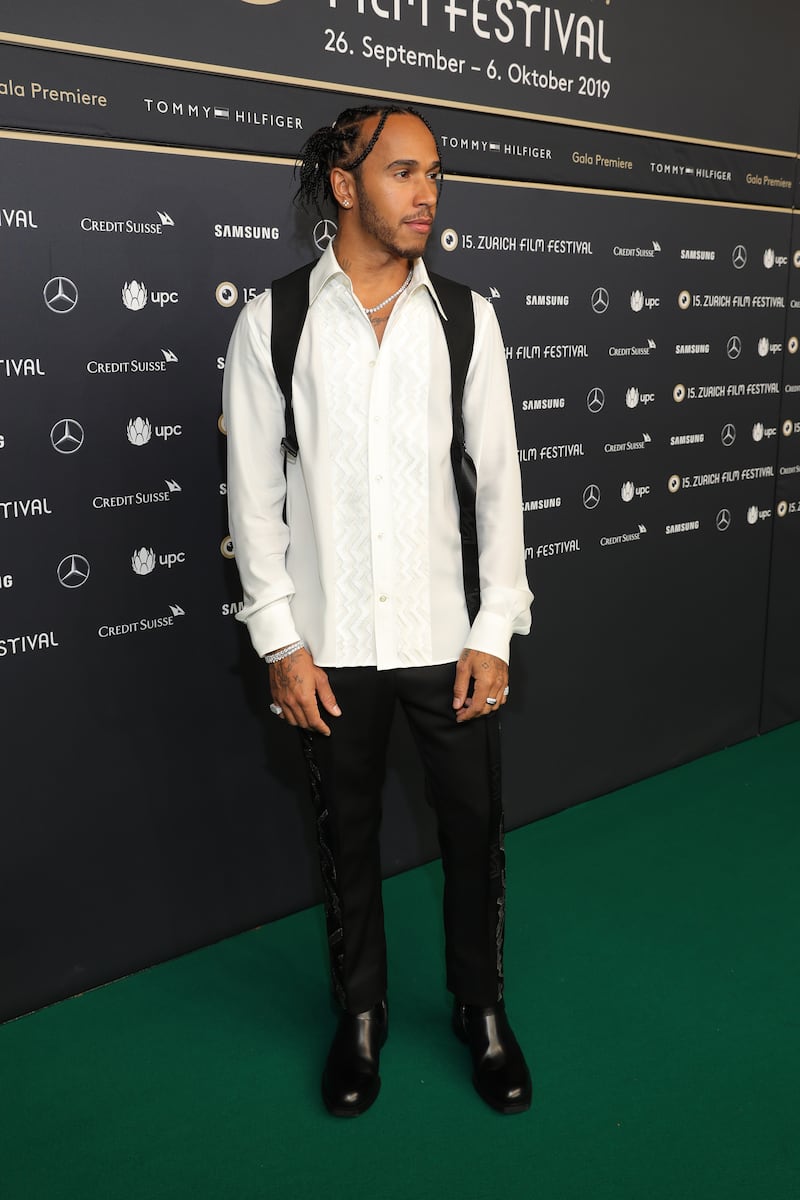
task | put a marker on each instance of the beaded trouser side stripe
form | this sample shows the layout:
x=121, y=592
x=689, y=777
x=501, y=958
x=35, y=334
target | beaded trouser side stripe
x=331, y=898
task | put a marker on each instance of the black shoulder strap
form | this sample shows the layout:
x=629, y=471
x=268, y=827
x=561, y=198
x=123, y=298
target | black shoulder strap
x=289, y=310
x=459, y=331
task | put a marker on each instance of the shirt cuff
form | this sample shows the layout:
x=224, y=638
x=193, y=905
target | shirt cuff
x=490, y=634
x=271, y=627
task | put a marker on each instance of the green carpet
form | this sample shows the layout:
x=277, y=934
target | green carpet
x=652, y=967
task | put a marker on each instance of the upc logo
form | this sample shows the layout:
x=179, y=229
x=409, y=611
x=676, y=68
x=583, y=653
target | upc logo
x=143, y=561
x=134, y=296
x=139, y=431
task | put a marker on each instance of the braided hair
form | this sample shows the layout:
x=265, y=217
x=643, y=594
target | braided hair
x=336, y=145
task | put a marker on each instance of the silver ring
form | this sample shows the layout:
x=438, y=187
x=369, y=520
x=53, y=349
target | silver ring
x=505, y=693
x=491, y=700
x=276, y=708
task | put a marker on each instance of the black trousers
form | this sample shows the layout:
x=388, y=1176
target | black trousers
x=462, y=770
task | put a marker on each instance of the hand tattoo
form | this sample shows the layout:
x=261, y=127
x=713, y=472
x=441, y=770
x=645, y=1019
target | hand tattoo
x=286, y=671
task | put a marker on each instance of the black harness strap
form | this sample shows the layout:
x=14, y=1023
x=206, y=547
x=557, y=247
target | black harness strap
x=459, y=331
x=289, y=310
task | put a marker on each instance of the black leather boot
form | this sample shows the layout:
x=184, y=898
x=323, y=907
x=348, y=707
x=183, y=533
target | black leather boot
x=500, y=1075
x=350, y=1081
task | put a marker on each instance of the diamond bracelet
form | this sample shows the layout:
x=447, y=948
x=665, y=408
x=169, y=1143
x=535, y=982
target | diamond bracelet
x=279, y=655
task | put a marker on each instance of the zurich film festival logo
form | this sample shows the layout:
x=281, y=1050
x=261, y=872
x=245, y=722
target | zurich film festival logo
x=226, y=294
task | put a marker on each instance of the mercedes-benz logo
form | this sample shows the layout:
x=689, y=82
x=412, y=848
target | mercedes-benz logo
x=600, y=300
x=66, y=436
x=728, y=434
x=60, y=294
x=739, y=256
x=723, y=519
x=591, y=496
x=595, y=400
x=324, y=233
x=734, y=346
x=73, y=571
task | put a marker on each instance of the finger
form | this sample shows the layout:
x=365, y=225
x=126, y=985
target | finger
x=461, y=682
x=470, y=711
x=311, y=719
x=483, y=689
x=326, y=696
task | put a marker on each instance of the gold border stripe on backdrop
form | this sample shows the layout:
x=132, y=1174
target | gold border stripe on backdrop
x=234, y=156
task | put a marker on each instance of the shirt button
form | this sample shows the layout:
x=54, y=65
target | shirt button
x=379, y=479
x=371, y=364
x=383, y=599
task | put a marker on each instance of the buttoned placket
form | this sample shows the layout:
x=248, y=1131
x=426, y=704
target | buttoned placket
x=380, y=496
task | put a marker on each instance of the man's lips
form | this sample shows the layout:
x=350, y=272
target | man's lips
x=421, y=224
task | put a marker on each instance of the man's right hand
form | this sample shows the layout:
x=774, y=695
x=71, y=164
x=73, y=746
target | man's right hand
x=295, y=683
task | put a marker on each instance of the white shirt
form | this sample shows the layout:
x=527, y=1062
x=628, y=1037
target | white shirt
x=369, y=570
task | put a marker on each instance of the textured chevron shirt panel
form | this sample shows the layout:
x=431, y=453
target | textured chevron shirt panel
x=367, y=569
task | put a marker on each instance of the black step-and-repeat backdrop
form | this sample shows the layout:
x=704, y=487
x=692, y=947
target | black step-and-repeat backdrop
x=649, y=294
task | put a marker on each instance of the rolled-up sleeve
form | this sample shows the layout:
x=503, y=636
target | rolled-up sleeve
x=253, y=409
x=492, y=443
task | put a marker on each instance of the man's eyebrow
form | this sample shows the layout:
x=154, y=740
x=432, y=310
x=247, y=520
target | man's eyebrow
x=413, y=162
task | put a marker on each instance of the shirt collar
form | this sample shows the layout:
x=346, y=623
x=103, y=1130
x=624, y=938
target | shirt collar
x=328, y=268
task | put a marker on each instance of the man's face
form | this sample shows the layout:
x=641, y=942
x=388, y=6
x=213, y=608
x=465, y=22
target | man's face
x=397, y=185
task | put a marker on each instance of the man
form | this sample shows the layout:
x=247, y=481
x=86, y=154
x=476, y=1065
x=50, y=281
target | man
x=353, y=571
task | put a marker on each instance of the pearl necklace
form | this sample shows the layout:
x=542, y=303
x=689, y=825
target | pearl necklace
x=393, y=296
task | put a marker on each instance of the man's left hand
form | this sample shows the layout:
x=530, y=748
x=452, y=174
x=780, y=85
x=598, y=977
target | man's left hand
x=490, y=676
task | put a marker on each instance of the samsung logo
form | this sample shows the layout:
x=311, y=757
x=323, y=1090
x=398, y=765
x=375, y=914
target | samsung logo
x=264, y=233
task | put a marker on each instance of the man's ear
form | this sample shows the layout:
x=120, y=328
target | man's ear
x=343, y=187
